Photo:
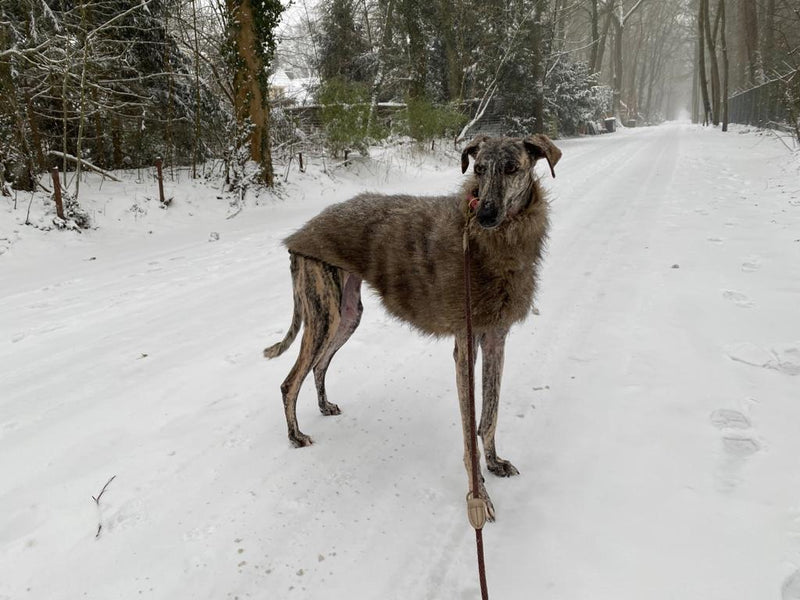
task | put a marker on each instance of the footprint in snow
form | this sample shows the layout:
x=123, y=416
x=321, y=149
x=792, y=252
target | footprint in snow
x=791, y=587
x=725, y=418
x=738, y=298
x=751, y=264
x=784, y=358
x=740, y=447
x=737, y=446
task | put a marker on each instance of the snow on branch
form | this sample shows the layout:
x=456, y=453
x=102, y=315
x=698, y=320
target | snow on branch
x=85, y=163
x=482, y=106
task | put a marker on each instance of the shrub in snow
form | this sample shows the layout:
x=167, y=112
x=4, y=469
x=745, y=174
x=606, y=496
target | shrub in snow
x=75, y=216
x=572, y=99
x=345, y=116
x=572, y=96
x=424, y=121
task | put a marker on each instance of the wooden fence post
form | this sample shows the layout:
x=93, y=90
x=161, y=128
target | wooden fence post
x=57, y=193
x=160, y=182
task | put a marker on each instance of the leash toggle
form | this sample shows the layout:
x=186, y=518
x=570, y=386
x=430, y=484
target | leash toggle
x=476, y=511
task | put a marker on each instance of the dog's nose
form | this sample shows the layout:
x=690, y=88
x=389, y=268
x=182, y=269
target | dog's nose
x=488, y=217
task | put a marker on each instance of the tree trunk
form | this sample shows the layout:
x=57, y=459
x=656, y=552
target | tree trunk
x=537, y=66
x=65, y=119
x=601, y=49
x=169, y=136
x=712, y=57
x=118, y=156
x=631, y=92
x=701, y=61
x=452, y=45
x=595, y=24
x=23, y=170
x=617, y=87
x=750, y=19
x=250, y=85
x=386, y=38
x=36, y=136
x=768, y=55
x=416, y=48
x=82, y=102
x=725, y=65
x=196, y=136
x=619, y=27
x=695, y=85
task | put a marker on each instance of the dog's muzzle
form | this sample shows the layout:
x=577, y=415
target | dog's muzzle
x=488, y=216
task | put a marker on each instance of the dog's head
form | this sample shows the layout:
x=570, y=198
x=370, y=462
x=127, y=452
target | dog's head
x=505, y=184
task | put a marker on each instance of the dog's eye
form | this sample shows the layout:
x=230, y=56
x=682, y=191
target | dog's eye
x=511, y=168
x=480, y=169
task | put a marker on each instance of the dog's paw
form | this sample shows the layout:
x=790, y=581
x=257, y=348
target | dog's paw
x=502, y=468
x=300, y=440
x=329, y=409
x=489, y=509
x=489, y=505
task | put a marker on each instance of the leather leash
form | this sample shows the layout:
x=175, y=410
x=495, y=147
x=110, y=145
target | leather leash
x=476, y=506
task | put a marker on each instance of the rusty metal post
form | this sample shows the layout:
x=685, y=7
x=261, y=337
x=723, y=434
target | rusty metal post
x=160, y=182
x=57, y=194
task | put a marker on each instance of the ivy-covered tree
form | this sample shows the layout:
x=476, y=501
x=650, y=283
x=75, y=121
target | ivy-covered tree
x=251, y=25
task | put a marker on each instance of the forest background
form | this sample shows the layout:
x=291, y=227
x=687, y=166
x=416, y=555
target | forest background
x=212, y=85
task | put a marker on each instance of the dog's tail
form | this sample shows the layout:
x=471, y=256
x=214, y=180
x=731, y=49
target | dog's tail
x=297, y=320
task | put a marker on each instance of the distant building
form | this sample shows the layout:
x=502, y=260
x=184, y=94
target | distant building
x=293, y=86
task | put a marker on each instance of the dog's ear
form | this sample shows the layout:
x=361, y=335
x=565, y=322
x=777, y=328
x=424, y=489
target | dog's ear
x=471, y=149
x=541, y=146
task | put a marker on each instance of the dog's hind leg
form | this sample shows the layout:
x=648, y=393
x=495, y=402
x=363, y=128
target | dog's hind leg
x=492, y=351
x=319, y=291
x=462, y=374
x=350, y=312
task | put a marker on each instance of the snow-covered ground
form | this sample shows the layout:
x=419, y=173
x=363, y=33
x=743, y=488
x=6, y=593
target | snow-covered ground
x=653, y=407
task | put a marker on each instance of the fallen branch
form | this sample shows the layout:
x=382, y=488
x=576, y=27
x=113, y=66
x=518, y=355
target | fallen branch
x=488, y=95
x=97, y=502
x=85, y=163
x=774, y=133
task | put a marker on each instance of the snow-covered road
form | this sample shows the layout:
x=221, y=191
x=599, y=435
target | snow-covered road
x=653, y=407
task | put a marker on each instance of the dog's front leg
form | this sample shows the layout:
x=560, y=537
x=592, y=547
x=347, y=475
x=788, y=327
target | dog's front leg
x=462, y=383
x=492, y=351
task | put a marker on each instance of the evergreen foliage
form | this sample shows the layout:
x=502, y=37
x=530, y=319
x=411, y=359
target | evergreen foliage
x=426, y=121
x=345, y=116
x=343, y=51
x=573, y=97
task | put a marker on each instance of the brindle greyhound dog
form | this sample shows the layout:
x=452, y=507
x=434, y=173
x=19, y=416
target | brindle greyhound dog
x=409, y=249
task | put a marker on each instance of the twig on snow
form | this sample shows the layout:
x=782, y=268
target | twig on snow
x=780, y=137
x=97, y=502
